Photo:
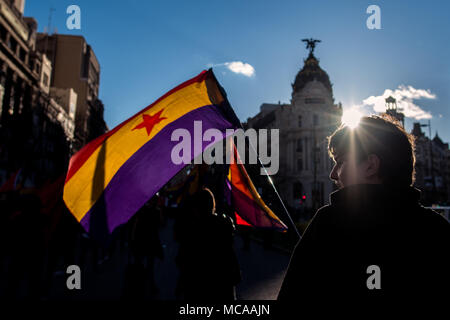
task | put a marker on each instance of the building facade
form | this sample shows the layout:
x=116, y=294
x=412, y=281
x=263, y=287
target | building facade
x=76, y=66
x=36, y=131
x=304, y=125
x=432, y=167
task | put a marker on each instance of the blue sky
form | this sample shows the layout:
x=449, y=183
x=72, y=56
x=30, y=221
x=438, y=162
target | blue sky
x=145, y=48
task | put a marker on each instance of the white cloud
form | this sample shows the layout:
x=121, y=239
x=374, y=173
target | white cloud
x=237, y=67
x=405, y=96
x=240, y=67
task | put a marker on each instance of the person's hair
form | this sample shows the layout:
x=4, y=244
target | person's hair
x=384, y=137
x=204, y=201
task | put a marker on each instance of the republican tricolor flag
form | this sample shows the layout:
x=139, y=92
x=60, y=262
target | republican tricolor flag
x=113, y=176
x=249, y=208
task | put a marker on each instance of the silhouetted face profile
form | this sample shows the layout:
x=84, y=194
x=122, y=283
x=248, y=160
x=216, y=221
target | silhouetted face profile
x=349, y=171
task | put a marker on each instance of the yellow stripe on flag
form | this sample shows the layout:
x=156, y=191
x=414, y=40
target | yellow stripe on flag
x=80, y=192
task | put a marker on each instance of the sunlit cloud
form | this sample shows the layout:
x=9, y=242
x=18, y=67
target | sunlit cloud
x=238, y=67
x=405, y=96
x=241, y=67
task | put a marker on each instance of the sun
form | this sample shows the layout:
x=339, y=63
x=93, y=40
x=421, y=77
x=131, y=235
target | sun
x=351, y=118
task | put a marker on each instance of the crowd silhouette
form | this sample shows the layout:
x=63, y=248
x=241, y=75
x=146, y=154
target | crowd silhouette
x=40, y=240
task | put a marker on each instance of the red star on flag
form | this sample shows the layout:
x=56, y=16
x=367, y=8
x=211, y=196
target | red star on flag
x=149, y=121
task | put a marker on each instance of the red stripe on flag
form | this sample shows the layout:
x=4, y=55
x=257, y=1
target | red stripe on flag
x=241, y=221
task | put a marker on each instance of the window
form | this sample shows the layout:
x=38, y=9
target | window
x=12, y=44
x=22, y=54
x=300, y=164
x=299, y=145
x=45, y=80
x=314, y=101
x=3, y=33
x=299, y=121
x=72, y=109
x=297, y=190
x=315, y=120
x=317, y=156
x=306, y=154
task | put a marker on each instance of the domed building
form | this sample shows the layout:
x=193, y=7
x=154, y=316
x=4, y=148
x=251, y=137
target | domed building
x=303, y=177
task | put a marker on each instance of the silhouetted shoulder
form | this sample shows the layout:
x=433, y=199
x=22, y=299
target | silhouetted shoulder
x=433, y=223
x=324, y=213
x=328, y=214
x=317, y=228
x=434, y=217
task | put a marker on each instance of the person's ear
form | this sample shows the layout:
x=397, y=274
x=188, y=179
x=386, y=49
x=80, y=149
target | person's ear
x=372, y=166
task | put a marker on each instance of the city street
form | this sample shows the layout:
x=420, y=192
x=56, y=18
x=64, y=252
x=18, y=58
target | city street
x=262, y=273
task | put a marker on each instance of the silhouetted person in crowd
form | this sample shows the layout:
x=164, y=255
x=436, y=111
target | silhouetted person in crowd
x=145, y=246
x=374, y=239
x=208, y=265
x=8, y=205
x=61, y=248
x=26, y=244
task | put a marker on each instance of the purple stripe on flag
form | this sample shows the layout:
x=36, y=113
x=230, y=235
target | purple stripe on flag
x=147, y=171
x=251, y=212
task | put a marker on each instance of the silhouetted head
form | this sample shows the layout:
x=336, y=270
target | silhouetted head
x=204, y=202
x=378, y=150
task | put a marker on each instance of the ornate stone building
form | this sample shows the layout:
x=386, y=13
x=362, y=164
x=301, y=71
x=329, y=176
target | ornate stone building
x=303, y=178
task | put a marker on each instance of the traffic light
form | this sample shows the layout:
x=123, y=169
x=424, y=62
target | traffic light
x=302, y=199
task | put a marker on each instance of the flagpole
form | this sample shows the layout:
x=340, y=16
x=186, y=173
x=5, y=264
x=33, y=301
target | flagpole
x=275, y=189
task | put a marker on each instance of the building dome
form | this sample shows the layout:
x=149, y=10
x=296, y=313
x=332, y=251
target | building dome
x=310, y=72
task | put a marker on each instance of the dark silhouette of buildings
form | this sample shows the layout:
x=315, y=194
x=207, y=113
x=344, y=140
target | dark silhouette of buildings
x=48, y=104
x=432, y=166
